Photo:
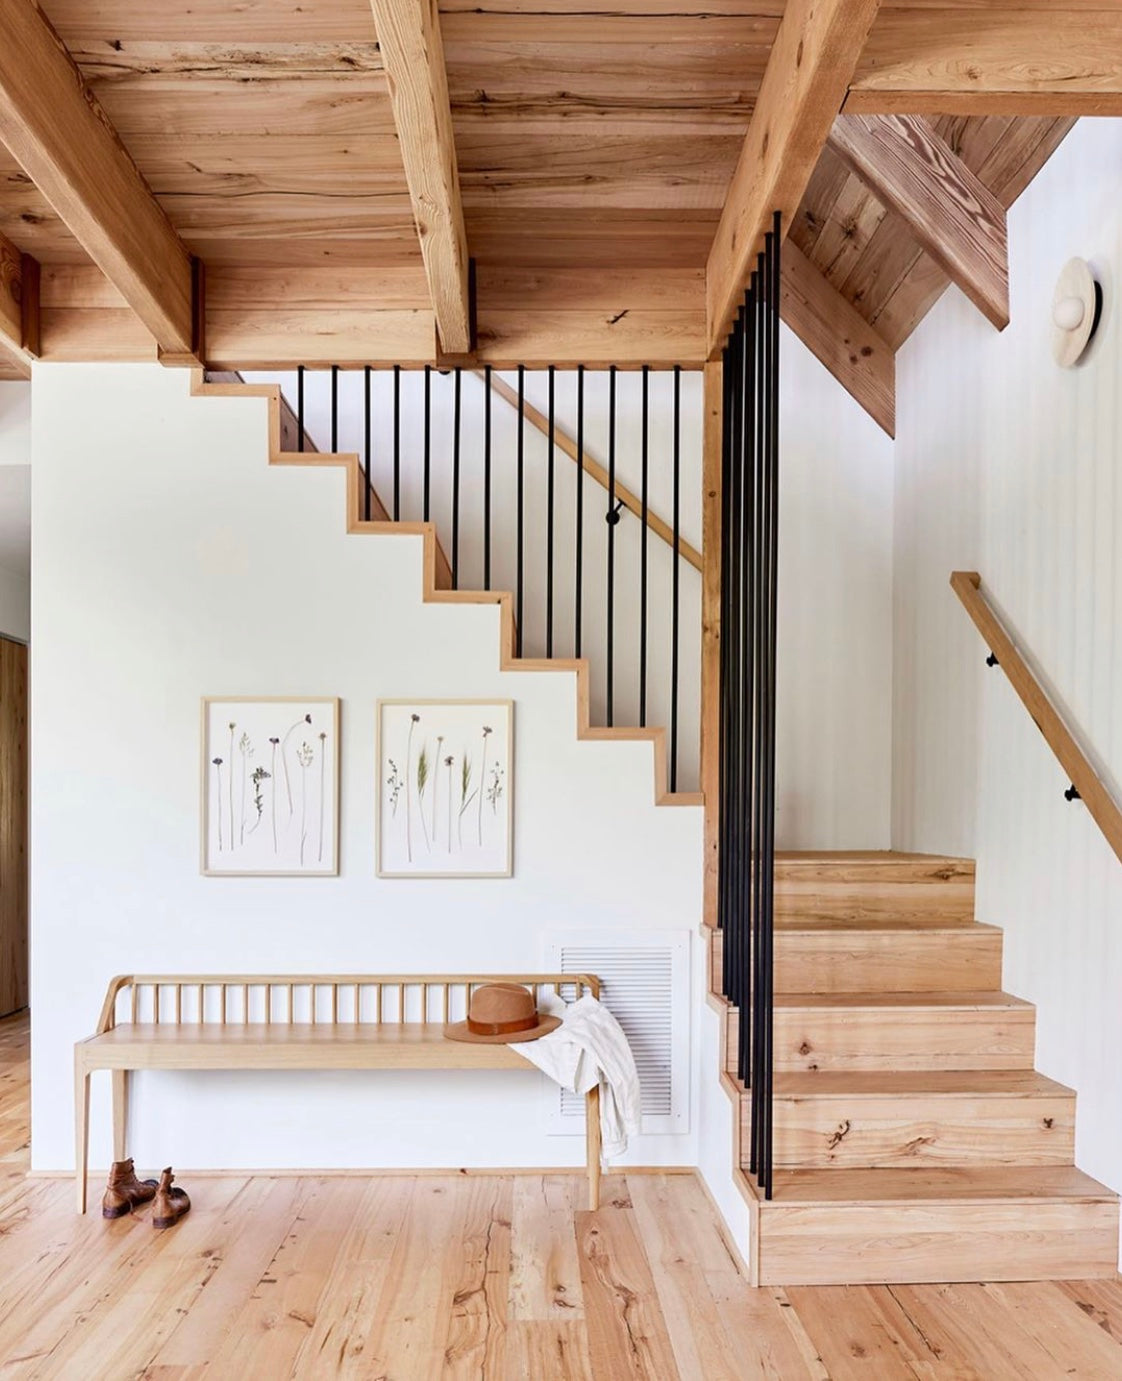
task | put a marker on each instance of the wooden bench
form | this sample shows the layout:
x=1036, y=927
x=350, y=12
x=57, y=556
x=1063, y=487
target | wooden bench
x=287, y=1021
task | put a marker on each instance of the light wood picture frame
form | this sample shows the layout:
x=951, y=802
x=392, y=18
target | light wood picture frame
x=269, y=788
x=445, y=788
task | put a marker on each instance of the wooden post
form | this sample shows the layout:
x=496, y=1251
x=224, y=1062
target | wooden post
x=592, y=1145
x=81, y=1125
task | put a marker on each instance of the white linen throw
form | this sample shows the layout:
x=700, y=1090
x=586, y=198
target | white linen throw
x=589, y=1047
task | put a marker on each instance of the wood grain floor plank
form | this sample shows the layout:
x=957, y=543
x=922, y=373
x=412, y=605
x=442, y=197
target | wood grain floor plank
x=861, y=1330
x=476, y=1341
x=544, y=1268
x=627, y=1336
x=553, y=1348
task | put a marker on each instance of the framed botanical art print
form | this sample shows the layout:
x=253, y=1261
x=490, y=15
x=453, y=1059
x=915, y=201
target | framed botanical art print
x=270, y=787
x=445, y=788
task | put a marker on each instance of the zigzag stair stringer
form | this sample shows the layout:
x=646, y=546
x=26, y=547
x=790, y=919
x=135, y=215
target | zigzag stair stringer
x=437, y=578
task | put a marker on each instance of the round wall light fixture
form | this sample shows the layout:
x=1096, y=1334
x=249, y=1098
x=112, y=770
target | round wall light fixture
x=1077, y=306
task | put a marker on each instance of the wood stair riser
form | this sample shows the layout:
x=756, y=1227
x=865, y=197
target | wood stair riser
x=868, y=1244
x=882, y=1131
x=884, y=888
x=865, y=961
x=897, y=1038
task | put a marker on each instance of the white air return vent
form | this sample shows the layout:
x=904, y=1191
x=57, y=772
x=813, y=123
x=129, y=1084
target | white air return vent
x=645, y=984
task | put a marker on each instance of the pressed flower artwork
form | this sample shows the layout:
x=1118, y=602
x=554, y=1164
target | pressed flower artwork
x=270, y=787
x=444, y=788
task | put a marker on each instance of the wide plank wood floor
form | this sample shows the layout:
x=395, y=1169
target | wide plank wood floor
x=475, y=1276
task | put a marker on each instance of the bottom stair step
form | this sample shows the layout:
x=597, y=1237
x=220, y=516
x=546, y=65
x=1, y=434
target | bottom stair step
x=860, y=1227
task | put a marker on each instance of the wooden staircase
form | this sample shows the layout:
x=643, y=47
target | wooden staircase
x=913, y=1139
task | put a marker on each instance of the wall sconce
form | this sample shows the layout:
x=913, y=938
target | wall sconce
x=1077, y=307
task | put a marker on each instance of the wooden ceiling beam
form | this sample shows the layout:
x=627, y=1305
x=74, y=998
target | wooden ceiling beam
x=949, y=210
x=413, y=57
x=57, y=132
x=835, y=332
x=992, y=59
x=19, y=307
x=810, y=68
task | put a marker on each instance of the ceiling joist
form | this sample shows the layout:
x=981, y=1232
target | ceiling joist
x=413, y=56
x=816, y=50
x=950, y=212
x=835, y=331
x=55, y=129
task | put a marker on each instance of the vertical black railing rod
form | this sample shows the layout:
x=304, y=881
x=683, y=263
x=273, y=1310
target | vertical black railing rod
x=521, y=499
x=334, y=409
x=427, y=459
x=758, y=712
x=549, y=526
x=397, y=443
x=726, y=918
x=300, y=408
x=366, y=443
x=746, y=629
x=736, y=831
x=579, y=592
x=674, y=580
x=456, y=379
x=613, y=519
x=487, y=477
x=767, y=979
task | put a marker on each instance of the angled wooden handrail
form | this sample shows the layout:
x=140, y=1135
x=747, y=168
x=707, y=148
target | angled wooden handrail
x=1099, y=802
x=565, y=443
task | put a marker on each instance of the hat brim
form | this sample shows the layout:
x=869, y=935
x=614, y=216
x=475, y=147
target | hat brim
x=460, y=1031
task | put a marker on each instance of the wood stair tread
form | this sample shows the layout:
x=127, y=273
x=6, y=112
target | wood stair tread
x=939, y=1184
x=849, y=1084
x=881, y=925
x=964, y=1001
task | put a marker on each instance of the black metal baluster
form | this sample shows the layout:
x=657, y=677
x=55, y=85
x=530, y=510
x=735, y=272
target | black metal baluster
x=726, y=914
x=613, y=519
x=487, y=477
x=397, y=443
x=580, y=513
x=643, y=551
x=736, y=678
x=366, y=441
x=674, y=580
x=521, y=499
x=767, y=992
x=457, y=373
x=745, y=673
x=549, y=526
x=334, y=409
x=427, y=461
x=300, y=407
x=760, y=383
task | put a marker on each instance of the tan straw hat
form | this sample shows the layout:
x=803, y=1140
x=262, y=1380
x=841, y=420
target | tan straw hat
x=500, y=1013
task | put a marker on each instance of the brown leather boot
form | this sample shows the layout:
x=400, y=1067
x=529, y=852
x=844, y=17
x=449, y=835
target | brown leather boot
x=124, y=1191
x=169, y=1204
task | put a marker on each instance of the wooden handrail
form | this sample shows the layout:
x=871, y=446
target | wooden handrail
x=1094, y=794
x=565, y=443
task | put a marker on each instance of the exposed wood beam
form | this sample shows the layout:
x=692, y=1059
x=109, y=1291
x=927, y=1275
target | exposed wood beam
x=808, y=73
x=952, y=214
x=413, y=56
x=1040, y=59
x=832, y=329
x=58, y=133
x=19, y=304
x=565, y=443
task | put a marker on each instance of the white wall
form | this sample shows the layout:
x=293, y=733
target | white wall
x=1008, y=465
x=170, y=562
x=835, y=579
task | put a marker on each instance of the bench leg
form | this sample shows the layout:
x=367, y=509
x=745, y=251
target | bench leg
x=120, y=1113
x=81, y=1126
x=592, y=1144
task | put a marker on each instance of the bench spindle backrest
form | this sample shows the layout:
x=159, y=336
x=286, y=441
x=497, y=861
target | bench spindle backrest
x=316, y=999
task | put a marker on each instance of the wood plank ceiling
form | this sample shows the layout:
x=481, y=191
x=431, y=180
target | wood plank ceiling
x=595, y=151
